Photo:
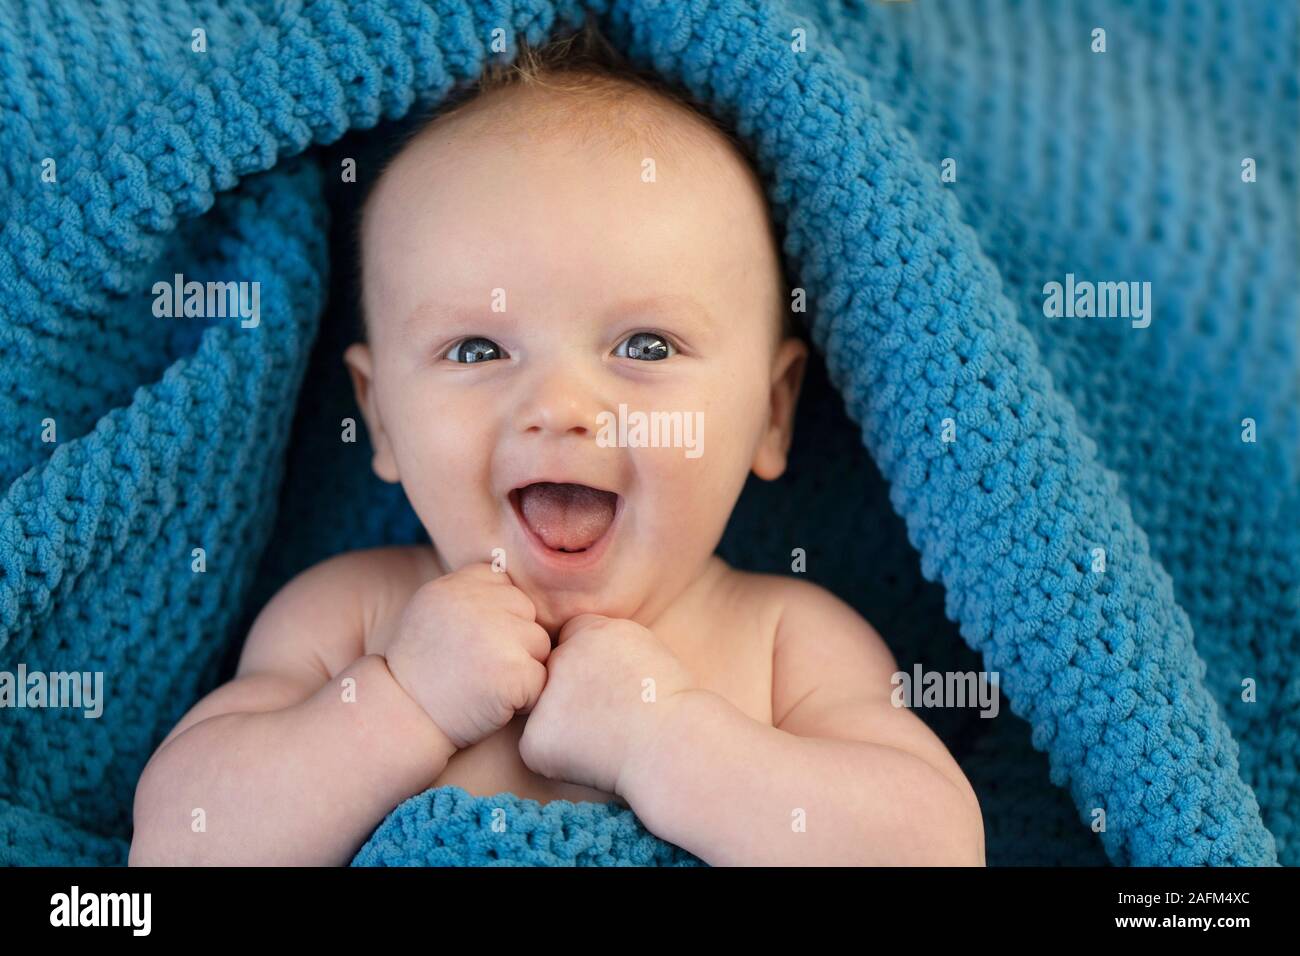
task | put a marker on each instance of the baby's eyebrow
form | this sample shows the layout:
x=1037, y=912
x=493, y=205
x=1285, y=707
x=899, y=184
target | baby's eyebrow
x=675, y=303
x=433, y=310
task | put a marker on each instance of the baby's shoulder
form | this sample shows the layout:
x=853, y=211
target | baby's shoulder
x=367, y=573
x=824, y=654
x=808, y=619
x=792, y=598
x=331, y=611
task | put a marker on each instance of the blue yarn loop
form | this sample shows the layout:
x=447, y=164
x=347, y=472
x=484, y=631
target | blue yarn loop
x=448, y=826
x=1159, y=687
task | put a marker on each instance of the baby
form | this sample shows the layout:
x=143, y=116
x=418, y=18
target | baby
x=569, y=245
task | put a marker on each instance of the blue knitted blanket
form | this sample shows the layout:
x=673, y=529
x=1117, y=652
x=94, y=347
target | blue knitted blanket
x=1091, y=488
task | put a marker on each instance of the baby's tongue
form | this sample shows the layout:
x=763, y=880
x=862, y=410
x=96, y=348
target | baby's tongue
x=567, y=516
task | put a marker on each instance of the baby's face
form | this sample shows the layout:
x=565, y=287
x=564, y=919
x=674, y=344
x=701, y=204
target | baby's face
x=564, y=274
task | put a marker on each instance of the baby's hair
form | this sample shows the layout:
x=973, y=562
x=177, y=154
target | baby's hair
x=596, y=79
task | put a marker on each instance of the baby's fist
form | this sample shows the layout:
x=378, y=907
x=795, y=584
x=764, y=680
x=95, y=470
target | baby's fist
x=469, y=650
x=609, y=687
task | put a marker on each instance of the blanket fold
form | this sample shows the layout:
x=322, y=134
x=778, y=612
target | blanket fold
x=1100, y=502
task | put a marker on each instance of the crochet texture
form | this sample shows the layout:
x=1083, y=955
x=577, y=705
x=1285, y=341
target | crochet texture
x=1124, y=687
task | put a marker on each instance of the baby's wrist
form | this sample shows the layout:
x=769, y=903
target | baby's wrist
x=411, y=719
x=648, y=767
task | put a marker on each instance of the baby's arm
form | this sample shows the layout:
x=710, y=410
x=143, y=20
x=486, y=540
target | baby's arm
x=842, y=777
x=288, y=764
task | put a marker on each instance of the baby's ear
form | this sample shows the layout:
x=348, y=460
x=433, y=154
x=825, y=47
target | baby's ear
x=360, y=365
x=787, y=378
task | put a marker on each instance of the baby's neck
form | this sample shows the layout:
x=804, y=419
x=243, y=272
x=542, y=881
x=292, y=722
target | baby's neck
x=678, y=621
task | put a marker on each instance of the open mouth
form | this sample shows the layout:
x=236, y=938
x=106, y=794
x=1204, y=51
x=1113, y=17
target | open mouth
x=565, y=517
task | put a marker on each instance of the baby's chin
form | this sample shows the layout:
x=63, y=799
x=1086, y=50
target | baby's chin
x=554, y=611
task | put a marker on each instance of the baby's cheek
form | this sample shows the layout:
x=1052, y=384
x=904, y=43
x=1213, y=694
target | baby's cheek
x=699, y=492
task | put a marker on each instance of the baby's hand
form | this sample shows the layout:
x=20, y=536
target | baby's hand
x=610, y=685
x=469, y=650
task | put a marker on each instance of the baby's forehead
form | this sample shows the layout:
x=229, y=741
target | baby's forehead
x=456, y=159
x=649, y=124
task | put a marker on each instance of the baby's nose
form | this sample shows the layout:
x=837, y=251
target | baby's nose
x=559, y=401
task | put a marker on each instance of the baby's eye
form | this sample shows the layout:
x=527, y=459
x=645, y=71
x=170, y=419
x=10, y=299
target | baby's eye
x=649, y=346
x=476, y=349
